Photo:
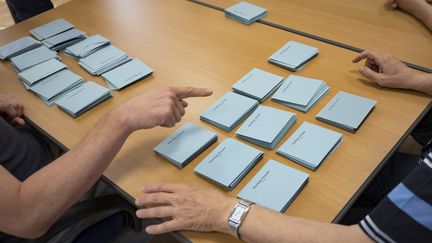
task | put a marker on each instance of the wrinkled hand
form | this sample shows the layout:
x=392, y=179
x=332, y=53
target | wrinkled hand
x=12, y=109
x=164, y=107
x=187, y=207
x=385, y=70
x=411, y=6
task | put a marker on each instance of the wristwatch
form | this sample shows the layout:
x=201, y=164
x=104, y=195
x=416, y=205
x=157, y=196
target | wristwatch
x=237, y=216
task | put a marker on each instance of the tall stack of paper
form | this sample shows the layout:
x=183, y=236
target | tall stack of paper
x=245, y=13
x=103, y=60
x=309, y=145
x=300, y=93
x=266, y=126
x=293, y=56
x=17, y=47
x=53, y=87
x=346, y=111
x=64, y=39
x=32, y=75
x=32, y=58
x=87, y=46
x=275, y=186
x=229, y=163
x=51, y=29
x=126, y=74
x=258, y=84
x=229, y=111
x=83, y=98
x=185, y=144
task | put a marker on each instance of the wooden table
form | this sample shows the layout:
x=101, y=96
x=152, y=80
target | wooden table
x=187, y=44
x=369, y=24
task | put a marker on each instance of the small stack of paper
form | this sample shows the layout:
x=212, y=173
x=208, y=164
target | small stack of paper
x=258, y=84
x=185, y=144
x=229, y=111
x=36, y=73
x=228, y=163
x=346, y=111
x=300, y=93
x=103, y=60
x=293, y=56
x=51, y=29
x=275, y=186
x=245, y=13
x=309, y=145
x=18, y=47
x=87, y=46
x=53, y=87
x=64, y=39
x=83, y=98
x=266, y=126
x=126, y=74
x=32, y=58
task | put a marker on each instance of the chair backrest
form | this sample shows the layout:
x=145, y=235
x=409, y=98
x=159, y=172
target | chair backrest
x=24, y=9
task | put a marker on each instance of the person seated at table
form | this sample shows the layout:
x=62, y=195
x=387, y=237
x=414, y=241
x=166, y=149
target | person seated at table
x=35, y=193
x=421, y=9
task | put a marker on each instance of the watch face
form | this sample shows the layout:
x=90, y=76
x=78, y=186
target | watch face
x=237, y=214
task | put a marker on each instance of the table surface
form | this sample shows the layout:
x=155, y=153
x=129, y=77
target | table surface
x=369, y=24
x=189, y=45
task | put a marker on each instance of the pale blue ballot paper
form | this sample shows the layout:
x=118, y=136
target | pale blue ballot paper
x=275, y=186
x=50, y=29
x=346, y=111
x=126, y=74
x=64, y=39
x=245, y=13
x=227, y=112
x=228, y=163
x=300, y=93
x=185, y=144
x=34, y=74
x=50, y=89
x=266, y=126
x=310, y=144
x=32, y=57
x=258, y=84
x=83, y=98
x=103, y=60
x=87, y=46
x=293, y=55
x=17, y=47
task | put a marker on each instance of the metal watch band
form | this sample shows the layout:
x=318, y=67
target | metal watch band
x=237, y=216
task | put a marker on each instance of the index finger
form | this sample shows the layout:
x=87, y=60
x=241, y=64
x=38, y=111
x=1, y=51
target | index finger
x=186, y=92
x=366, y=54
x=162, y=187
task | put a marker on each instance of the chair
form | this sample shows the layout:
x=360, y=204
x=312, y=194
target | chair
x=24, y=9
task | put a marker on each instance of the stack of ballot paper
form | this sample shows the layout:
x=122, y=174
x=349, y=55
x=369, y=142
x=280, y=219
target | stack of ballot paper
x=245, y=13
x=103, y=60
x=32, y=58
x=293, y=56
x=229, y=111
x=274, y=186
x=18, y=47
x=309, y=145
x=64, y=39
x=300, y=93
x=185, y=144
x=87, y=46
x=126, y=74
x=83, y=98
x=266, y=126
x=53, y=87
x=51, y=29
x=36, y=73
x=229, y=163
x=258, y=84
x=346, y=111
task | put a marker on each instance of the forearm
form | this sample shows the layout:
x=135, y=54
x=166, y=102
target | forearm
x=421, y=82
x=424, y=14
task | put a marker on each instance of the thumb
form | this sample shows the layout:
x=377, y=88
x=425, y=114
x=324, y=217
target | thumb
x=372, y=75
x=18, y=121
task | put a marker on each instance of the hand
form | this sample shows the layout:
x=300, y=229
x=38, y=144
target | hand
x=12, y=109
x=163, y=107
x=188, y=207
x=411, y=6
x=386, y=71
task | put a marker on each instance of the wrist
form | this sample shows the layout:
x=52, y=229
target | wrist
x=225, y=212
x=422, y=82
x=121, y=121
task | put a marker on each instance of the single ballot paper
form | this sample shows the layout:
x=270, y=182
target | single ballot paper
x=126, y=74
x=104, y=60
x=32, y=58
x=51, y=29
x=293, y=56
x=32, y=75
x=87, y=46
x=245, y=13
x=18, y=47
x=64, y=39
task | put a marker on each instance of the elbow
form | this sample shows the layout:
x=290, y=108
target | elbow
x=28, y=229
